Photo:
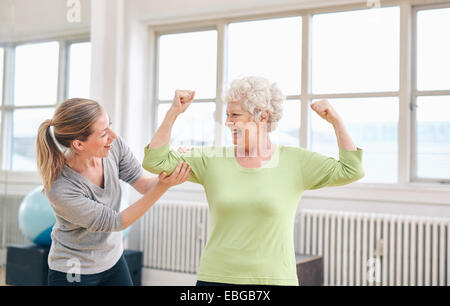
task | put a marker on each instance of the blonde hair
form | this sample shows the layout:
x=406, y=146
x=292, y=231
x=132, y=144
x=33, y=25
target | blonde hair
x=72, y=120
x=257, y=94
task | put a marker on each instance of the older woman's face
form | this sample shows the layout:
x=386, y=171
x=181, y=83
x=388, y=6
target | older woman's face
x=240, y=123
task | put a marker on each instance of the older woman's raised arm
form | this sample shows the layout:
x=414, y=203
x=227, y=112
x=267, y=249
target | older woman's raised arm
x=181, y=102
x=321, y=171
x=324, y=109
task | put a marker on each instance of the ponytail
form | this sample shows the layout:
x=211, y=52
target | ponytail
x=50, y=159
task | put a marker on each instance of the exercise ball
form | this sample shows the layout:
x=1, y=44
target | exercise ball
x=36, y=217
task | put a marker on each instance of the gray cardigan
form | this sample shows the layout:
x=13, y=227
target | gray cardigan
x=87, y=234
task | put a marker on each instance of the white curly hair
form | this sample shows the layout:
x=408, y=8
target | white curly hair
x=257, y=94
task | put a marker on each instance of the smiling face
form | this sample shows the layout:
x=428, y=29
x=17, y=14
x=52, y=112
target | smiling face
x=239, y=122
x=98, y=144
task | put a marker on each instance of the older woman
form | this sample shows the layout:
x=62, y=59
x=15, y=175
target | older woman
x=254, y=187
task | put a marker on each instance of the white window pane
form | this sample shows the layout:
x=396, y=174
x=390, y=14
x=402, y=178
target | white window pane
x=356, y=51
x=433, y=49
x=25, y=126
x=36, y=74
x=2, y=58
x=433, y=137
x=79, y=70
x=372, y=123
x=288, y=129
x=188, y=61
x=195, y=127
x=267, y=48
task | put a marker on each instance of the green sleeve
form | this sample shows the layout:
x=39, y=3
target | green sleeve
x=321, y=171
x=163, y=159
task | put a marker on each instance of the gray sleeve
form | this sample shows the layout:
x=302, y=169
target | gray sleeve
x=75, y=208
x=130, y=169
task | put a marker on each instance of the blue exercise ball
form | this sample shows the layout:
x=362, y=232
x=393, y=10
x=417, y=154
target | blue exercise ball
x=36, y=217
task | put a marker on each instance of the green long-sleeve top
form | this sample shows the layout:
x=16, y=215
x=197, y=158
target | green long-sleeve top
x=252, y=210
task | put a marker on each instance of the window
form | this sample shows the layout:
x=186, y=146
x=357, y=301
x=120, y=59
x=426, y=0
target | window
x=189, y=61
x=35, y=83
x=350, y=57
x=433, y=137
x=363, y=58
x=35, y=91
x=433, y=61
x=348, y=62
x=195, y=127
x=79, y=70
x=270, y=48
x=372, y=124
x=432, y=95
x=36, y=74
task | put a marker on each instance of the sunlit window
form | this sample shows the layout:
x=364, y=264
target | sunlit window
x=195, y=127
x=79, y=70
x=25, y=124
x=36, y=89
x=36, y=74
x=267, y=48
x=356, y=51
x=432, y=112
x=433, y=49
x=372, y=124
x=188, y=61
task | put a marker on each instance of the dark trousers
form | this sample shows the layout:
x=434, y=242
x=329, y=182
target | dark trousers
x=118, y=275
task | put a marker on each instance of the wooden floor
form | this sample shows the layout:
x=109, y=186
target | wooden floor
x=3, y=275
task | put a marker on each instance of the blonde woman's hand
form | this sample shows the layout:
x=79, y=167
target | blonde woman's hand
x=184, y=150
x=182, y=100
x=324, y=109
x=178, y=176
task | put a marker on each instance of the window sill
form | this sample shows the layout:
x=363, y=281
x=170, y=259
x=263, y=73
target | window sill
x=18, y=182
x=412, y=193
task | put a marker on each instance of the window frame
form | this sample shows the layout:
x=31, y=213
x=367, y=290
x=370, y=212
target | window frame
x=7, y=108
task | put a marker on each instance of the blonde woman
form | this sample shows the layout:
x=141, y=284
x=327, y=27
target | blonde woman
x=81, y=161
x=254, y=187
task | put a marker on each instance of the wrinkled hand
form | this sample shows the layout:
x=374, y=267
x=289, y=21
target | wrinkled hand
x=182, y=100
x=324, y=109
x=178, y=176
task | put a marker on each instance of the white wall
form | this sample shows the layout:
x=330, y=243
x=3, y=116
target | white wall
x=31, y=19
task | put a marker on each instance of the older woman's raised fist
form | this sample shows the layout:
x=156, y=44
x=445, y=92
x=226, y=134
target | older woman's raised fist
x=324, y=109
x=182, y=100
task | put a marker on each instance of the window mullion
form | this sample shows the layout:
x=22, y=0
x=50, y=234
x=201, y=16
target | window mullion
x=306, y=80
x=63, y=71
x=405, y=137
x=222, y=64
x=7, y=120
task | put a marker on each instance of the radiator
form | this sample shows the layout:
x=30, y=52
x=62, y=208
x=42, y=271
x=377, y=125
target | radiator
x=361, y=249
x=376, y=249
x=173, y=235
x=9, y=224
